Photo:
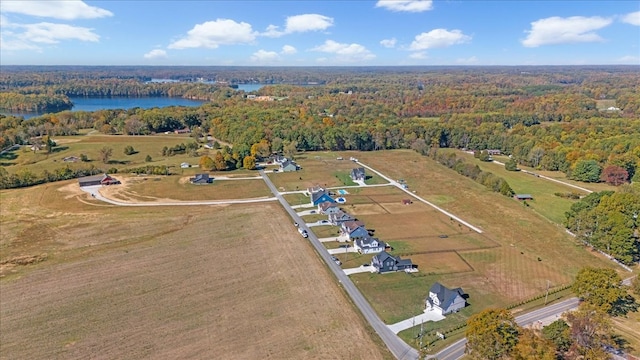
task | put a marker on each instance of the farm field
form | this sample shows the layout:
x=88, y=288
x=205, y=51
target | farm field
x=511, y=261
x=90, y=145
x=177, y=188
x=171, y=282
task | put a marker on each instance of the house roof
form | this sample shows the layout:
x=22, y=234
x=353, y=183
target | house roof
x=357, y=172
x=369, y=242
x=316, y=196
x=383, y=256
x=99, y=177
x=351, y=226
x=340, y=215
x=524, y=196
x=327, y=204
x=445, y=295
x=287, y=163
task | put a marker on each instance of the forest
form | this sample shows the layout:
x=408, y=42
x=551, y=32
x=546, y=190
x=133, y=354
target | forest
x=583, y=121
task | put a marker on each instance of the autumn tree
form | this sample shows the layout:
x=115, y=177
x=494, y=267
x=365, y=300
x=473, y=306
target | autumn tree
x=533, y=347
x=249, y=162
x=600, y=287
x=219, y=163
x=105, y=154
x=590, y=332
x=206, y=163
x=261, y=149
x=614, y=175
x=491, y=334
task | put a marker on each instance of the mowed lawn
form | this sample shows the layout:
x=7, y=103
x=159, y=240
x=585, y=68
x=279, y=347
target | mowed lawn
x=171, y=282
x=322, y=169
x=90, y=145
x=523, y=250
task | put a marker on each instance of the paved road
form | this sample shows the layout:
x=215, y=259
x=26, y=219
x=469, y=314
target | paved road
x=456, y=350
x=398, y=348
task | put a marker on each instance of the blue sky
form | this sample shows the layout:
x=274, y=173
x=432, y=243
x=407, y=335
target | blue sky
x=319, y=33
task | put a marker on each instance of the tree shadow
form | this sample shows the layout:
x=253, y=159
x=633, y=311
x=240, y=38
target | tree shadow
x=624, y=305
x=9, y=155
x=59, y=149
x=118, y=162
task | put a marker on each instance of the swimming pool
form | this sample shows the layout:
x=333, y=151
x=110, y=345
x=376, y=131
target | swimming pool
x=342, y=192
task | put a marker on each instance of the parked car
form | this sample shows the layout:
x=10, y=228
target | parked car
x=274, y=170
x=366, y=264
x=336, y=260
x=295, y=224
x=324, y=221
x=443, y=236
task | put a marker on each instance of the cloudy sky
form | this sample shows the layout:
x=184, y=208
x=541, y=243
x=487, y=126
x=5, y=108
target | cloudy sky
x=319, y=33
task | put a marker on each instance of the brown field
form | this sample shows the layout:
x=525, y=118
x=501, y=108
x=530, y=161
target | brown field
x=440, y=263
x=175, y=188
x=165, y=283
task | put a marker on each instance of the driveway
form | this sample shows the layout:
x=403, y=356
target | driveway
x=360, y=269
x=431, y=315
x=328, y=239
x=318, y=223
x=308, y=212
x=349, y=249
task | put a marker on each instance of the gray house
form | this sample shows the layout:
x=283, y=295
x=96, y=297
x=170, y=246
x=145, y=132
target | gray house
x=385, y=262
x=445, y=300
x=358, y=174
x=337, y=218
x=350, y=230
x=328, y=208
x=320, y=197
x=288, y=166
x=368, y=245
x=200, y=179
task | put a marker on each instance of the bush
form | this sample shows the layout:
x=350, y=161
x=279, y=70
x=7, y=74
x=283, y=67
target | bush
x=129, y=150
x=148, y=158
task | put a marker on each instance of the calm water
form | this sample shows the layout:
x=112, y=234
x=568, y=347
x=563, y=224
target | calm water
x=250, y=87
x=93, y=104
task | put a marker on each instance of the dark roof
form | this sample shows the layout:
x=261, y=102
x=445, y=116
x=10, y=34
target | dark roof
x=367, y=240
x=524, y=196
x=357, y=173
x=327, y=204
x=445, y=295
x=288, y=163
x=318, y=195
x=93, y=178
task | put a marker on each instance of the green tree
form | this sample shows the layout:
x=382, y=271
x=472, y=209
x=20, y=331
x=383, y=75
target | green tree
x=599, y=287
x=491, y=334
x=289, y=149
x=84, y=158
x=249, y=162
x=484, y=156
x=635, y=285
x=105, y=154
x=148, y=158
x=511, y=165
x=129, y=150
x=560, y=333
x=206, y=163
x=587, y=171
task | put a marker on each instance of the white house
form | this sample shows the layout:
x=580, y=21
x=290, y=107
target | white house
x=368, y=245
x=445, y=300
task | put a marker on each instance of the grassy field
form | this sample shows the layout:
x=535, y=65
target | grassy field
x=171, y=282
x=172, y=188
x=513, y=259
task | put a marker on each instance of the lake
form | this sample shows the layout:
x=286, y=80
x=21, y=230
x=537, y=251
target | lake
x=93, y=104
x=250, y=87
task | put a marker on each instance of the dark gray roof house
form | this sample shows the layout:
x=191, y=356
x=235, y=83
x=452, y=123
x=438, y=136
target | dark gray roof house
x=339, y=217
x=369, y=245
x=288, y=166
x=358, y=174
x=385, y=262
x=328, y=207
x=444, y=299
x=201, y=179
x=523, y=197
x=353, y=229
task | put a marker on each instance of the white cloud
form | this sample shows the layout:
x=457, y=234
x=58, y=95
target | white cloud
x=50, y=33
x=469, y=60
x=406, y=5
x=438, y=38
x=421, y=55
x=265, y=56
x=345, y=52
x=632, y=18
x=212, y=34
x=299, y=24
x=65, y=10
x=288, y=49
x=388, y=43
x=557, y=30
x=16, y=44
x=630, y=60
x=156, y=54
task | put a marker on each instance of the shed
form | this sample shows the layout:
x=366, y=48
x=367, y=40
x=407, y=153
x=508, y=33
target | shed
x=103, y=179
x=201, y=179
x=523, y=197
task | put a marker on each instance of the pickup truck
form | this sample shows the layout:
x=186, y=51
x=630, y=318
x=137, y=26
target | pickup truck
x=303, y=232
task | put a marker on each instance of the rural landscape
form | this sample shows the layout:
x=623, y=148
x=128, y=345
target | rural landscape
x=355, y=218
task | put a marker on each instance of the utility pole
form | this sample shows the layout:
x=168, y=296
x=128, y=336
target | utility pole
x=547, y=295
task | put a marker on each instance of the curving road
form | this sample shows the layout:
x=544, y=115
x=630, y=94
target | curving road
x=397, y=346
